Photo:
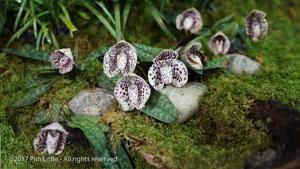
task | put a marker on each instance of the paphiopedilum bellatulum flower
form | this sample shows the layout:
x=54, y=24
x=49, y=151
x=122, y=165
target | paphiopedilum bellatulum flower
x=62, y=59
x=121, y=57
x=166, y=70
x=219, y=44
x=189, y=20
x=256, y=25
x=51, y=139
x=193, y=56
x=132, y=92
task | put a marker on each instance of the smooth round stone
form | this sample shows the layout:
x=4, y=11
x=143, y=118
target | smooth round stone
x=240, y=64
x=92, y=102
x=186, y=99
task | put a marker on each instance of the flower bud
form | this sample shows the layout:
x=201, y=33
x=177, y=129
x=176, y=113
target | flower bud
x=256, y=25
x=219, y=44
x=62, y=59
x=51, y=139
x=189, y=20
x=121, y=57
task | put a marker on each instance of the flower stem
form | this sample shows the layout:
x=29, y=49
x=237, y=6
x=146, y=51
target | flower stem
x=118, y=20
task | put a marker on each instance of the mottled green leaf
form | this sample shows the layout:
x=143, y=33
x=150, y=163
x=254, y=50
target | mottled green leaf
x=98, y=53
x=122, y=158
x=217, y=62
x=108, y=83
x=41, y=80
x=95, y=133
x=230, y=29
x=161, y=108
x=146, y=53
x=29, y=54
x=32, y=96
x=55, y=112
x=222, y=21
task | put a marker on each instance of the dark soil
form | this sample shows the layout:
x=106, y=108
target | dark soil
x=283, y=123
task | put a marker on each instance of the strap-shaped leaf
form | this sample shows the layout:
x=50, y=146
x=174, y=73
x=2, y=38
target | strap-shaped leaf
x=95, y=133
x=123, y=159
x=217, y=62
x=146, y=53
x=98, y=53
x=161, y=108
x=3, y=15
x=222, y=21
x=32, y=96
x=55, y=113
x=29, y=54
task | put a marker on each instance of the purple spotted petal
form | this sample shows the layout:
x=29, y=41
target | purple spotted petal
x=256, y=25
x=180, y=74
x=189, y=20
x=121, y=57
x=51, y=139
x=155, y=78
x=194, y=57
x=166, y=55
x=219, y=44
x=63, y=60
x=144, y=92
x=67, y=67
x=132, y=92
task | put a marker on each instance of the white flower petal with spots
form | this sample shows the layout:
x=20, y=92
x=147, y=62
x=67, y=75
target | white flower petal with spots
x=180, y=74
x=189, y=20
x=256, y=25
x=51, y=139
x=62, y=59
x=167, y=70
x=166, y=55
x=132, y=92
x=121, y=57
x=219, y=44
x=155, y=78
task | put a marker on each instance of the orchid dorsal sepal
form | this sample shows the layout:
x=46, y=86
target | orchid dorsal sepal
x=51, y=139
x=219, y=44
x=190, y=21
x=121, y=57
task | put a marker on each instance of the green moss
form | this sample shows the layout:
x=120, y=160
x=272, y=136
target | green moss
x=218, y=136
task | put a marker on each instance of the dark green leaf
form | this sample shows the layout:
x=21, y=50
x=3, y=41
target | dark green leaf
x=107, y=83
x=159, y=19
x=32, y=96
x=146, y=53
x=3, y=13
x=29, y=53
x=161, y=108
x=95, y=133
x=217, y=62
x=222, y=21
x=37, y=81
x=55, y=112
x=230, y=29
x=98, y=53
x=122, y=158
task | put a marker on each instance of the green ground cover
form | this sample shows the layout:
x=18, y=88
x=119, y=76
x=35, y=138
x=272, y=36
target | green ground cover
x=218, y=136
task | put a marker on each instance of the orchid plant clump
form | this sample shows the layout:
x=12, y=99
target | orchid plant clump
x=167, y=66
